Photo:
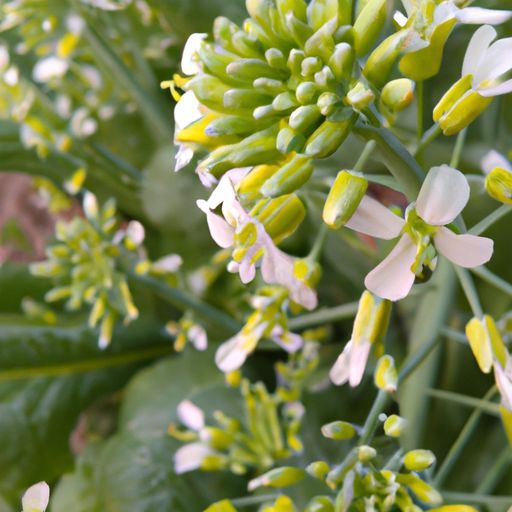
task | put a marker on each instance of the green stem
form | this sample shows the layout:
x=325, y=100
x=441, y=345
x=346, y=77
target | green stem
x=457, y=150
x=468, y=401
x=454, y=335
x=477, y=499
x=324, y=316
x=380, y=403
x=365, y=154
x=496, y=215
x=494, y=475
x=184, y=301
x=428, y=137
x=420, y=110
x=253, y=500
x=461, y=441
x=485, y=274
x=126, y=169
x=469, y=290
x=106, y=361
x=318, y=245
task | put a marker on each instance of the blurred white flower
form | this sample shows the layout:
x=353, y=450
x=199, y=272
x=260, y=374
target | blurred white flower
x=442, y=197
x=189, y=61
x=493, y=160
x=36, y=498
x=49, y=68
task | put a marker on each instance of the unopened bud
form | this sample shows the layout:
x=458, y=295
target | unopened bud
x=386, y=376
x=372, y=318
x=360, y=96
x=289, y=140
x=249, y=187
x=423, y=491
x=366, y=453
x=291, y=176
x=486, y=342
x=318, y=469
x=305, y=116
x=397, y=94
x=221, y=506
x=394, y=425
x=320, y=504
x=341, y=61
x=215, y=437
x=368, y=25
x=308, y=271
x=498, y=184
x=344, y=197
x=306, y=92
x=419, y=460
x=329, y=136
x=278, y=477
x=339, y=430
x=327, y=102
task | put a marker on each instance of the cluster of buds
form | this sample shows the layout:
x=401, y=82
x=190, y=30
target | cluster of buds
x=280, y=91
x=85, y=265
x=268, y=320
x=365, y=480
x=268, y=434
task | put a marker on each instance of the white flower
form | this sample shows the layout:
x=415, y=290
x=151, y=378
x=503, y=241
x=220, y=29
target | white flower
x=493, y=160
x=187, y=111
x=189, y=61
x=190, y=457
x=167, y=264
x=197, y=335
x=276, y=266
x=49, y=68
x=488, y=63
x=442, y=197
x=503, y=378
x=36, y=498
x=190, y=415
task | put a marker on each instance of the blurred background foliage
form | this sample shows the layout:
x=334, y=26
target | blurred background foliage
x=94, y=423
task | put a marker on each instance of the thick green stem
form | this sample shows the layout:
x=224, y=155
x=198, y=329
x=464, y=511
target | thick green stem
x=457, y=150
x=486, y=223
x=469, y=290
x=324, y=316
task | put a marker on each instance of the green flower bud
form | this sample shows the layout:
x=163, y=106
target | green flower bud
x=339, y=430
x=244, y=98
x=328, y=137
x=419, y=460
x=308, y=271
x=498, y=184
x=209, y=90
x=306, y=92
x=284, y=101
x=344, y=197
x=318, y=469
x=360, y=96
x=249, y=187
x=423, y=491
x=506, y=419
x=289, y=177
x=341, y=61
x=386, y=375
x=214, y=463
x=310, y=65
x=305, y=117
x=289, y=140
x=217, y=438
x=394, y=425
x=250, y=69
x=321, y=43
x=368, y=25
x=397, y=95
x=278, y=477
x=320, y=504
x=327, y=102
x=321, y=11
x=366, y=453
x=425, y=63
x=221, y=506
x=280, y=216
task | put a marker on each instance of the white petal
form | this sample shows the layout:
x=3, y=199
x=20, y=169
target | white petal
x=496, y=61
x=374, y=219
x=443, y=195
x=221, y=232
x=36, y=498
x=479, y=16
x=190, y=415
x=340, y=372
x=409, y=6
x=392, y=279
x=358, y=359
x=463, y=250
x=170, y=263
x=190, y=457
x=477, y=47
x=246, y=268
x=187, y=111
x=494, y=159
x=49, y=68
x=497, y=90
x=183, y=156
x=400, y=19
x=224, y=191
x=289, y=341
x=189, y=64
x=231, y=355
x=504, y=385
x=198, y=337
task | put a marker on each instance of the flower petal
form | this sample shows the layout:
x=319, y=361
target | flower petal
x=464, y=250
x=340, y=372
x=190, y=457
x=183, y=157
x=289, y=341
x=497, y=90
x=494, y=159
x=231, y=355
x=477, y=47
x=36, y=498
x=198, y=337
x=392, y=279
x=49, y=68
x=443, y=195
x=358, y=359
x=479, y=16
x=374, y=219
x=187, y=111
x=189, y=64
x=190, y=415
x=504, y=385
x=496, y=61
x=221, y=232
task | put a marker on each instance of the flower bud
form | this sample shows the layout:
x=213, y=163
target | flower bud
x=215, y=437
x=318, y=469
x=486, y=342
x=321, y=43
x=423, y=491
x=498, y=184
x=366, y=453
x=320, y=12
x=341, y=61
x=320, y=504
x=386, y=376
x=344, y=197
x=277, y=477
x=397, y=94
x=289, y=177
x=306, y=92
x=250, y=69
x=339, y=430
x=308, y=271
x=329, y=136
x=360, y=96
x=454, y=508
x=280, y=216
x=368, y=25
x=506, y=419
x=304, y=117
x=221, y=506
x=249, y=187
x=419, y=460
x=394, y=425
